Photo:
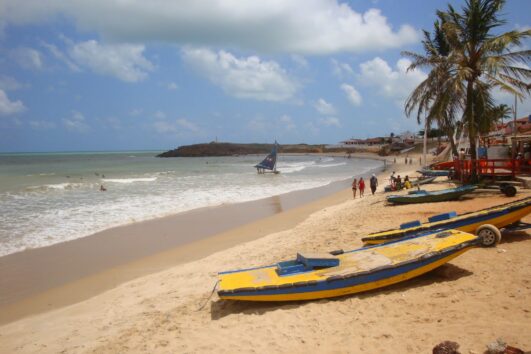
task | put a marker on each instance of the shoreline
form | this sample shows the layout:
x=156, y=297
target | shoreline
x=38, y=280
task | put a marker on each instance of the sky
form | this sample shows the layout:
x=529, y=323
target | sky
x=100, y=75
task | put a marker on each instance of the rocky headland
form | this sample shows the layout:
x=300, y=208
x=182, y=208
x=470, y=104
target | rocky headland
x=230, y=149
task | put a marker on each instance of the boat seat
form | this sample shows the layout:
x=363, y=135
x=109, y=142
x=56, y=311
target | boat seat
x=312, y=260
x=306, y=262
x=407, y=225
x=444, y=216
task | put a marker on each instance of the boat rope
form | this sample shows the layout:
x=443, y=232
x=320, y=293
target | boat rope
x=212, y=293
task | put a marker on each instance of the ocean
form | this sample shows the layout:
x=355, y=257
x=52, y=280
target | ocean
x=48, y=198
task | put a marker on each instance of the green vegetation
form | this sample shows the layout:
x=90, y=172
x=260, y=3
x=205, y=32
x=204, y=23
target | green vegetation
x=230, y=149
x=467, y=61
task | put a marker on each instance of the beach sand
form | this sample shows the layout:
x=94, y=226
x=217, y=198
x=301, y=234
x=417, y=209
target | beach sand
x=475, y=299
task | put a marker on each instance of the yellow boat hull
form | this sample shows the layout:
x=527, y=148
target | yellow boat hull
x=358, y=271
x=500, y=216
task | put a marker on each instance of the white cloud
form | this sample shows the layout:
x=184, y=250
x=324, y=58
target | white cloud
x=257, y=124
x=8, y=107
x=522, y=28
x=296, y=26
x=135, y=112
x=324, y=107
x=172, y=86
x=179, y=126
x=300, y=60
x=186, y=124
x=41, y=124
x=341, y=69
x=112, y=122
x=160, y=115
x=353, y=95
x=396, y=84
x=278, y=125
x=8, y=83
x=27, y=58
x=76, y=123
x=124, y=61
x=286, y=122
x=59, y=55
x=330, y=122
x=248, y=77
x=165, y=127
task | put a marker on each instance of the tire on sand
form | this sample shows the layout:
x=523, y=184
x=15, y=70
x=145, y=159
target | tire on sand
x=508, y=190
x=489, y=234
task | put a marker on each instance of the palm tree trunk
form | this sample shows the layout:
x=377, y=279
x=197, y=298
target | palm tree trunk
x=451, y=139
x=425, y=149
x=470, y=118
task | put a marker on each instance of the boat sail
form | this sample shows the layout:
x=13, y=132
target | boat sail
x=269, y=164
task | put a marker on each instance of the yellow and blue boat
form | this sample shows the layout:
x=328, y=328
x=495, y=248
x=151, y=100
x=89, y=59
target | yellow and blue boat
x=323, y=276
x=499, y=216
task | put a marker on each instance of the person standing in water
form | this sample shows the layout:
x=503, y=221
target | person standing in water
x=373, y=183
x=361, y=185
x=354, y=188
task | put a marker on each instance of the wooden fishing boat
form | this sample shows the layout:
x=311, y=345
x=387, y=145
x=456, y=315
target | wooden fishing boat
x=474, y=222
x=431, y=173
x=421, y=181
x=430, y=197
x=322, y=276
x=445, y=165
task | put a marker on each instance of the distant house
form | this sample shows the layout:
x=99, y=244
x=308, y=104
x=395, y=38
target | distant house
x=364, y=142
x=523, y=126
x=351, y=142
x=375, y=141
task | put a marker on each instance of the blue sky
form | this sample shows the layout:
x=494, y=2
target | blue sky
x=119, y=75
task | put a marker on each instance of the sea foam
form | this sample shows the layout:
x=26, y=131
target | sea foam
x=42, y=215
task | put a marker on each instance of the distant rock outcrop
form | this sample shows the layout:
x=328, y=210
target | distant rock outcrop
x=229, y=149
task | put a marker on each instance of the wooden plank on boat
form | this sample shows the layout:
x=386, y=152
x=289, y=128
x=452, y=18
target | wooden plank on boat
x=312, y=260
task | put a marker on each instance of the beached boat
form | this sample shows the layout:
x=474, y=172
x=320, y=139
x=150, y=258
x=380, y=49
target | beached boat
x=269, y=163
x=444, y=165
x=323, y=276
x=423, y=196
x=499, y=216
x=421, y=181
x=431, y=173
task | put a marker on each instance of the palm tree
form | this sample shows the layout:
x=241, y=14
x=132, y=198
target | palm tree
x=437, y=97
x=477, y=61
x=500, y=112
x=485, y=61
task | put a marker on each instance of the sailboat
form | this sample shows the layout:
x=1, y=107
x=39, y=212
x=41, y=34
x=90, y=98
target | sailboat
x=269, y=164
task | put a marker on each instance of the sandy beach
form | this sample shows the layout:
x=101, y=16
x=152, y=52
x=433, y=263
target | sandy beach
x=475, y=299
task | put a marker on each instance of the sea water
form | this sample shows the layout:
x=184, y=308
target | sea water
x=55, y=197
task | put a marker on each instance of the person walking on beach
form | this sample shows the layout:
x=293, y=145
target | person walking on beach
x=354, y=188
x=392, y=180
x=361, y=186
x=373, y=183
